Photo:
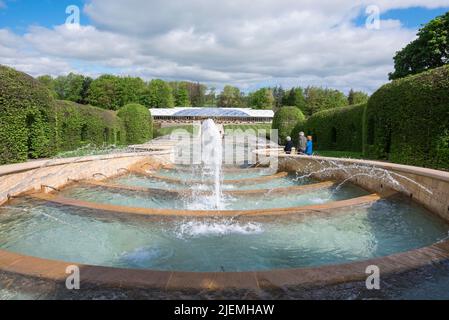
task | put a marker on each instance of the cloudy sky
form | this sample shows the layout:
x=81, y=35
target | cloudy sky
x=242, y=42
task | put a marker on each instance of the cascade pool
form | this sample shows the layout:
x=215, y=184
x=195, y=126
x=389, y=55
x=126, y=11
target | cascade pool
x=148, y=182
x=195, y=202
x=151, y=216
x=209, y=245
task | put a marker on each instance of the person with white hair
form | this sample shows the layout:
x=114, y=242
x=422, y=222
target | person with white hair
x=302, y=143
x=288, y=146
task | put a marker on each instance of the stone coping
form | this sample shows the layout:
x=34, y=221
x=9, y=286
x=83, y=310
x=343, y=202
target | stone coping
x=188, y=182
x=425, y=172
x=224, y=169
x=107, y=277
x=186, y=192
x=32, y=165
x=323, y=209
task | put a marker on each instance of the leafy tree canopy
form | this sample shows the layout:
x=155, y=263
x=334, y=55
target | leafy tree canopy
x=430, y=50
x=231, y=97
x=159, y=94
x=319, y=99
x=357, y=97
x=262, y=99
x=295, y=97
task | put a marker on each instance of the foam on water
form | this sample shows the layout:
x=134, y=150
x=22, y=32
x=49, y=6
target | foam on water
x=196, y=229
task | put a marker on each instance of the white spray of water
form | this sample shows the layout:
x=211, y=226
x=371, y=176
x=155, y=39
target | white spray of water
x=212, y=158
x=197, y=229
x=352, y=171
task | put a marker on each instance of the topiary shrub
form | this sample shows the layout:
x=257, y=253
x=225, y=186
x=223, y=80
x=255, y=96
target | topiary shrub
x=407, y=120
x=78, y=125
x=337, y=129
x=285, y=120
x=138, y=123
x=26, y=117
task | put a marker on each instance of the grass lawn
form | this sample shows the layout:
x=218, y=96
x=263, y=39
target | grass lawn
x=91, y=150
x=243, y=127
x=340, y=154
x=159, y=132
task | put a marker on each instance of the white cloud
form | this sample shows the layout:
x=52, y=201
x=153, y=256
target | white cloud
x=248, y=43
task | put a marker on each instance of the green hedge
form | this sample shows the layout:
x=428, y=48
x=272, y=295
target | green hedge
x=285, y=120
x=138, y=123
x=337, y=129
x=407, y=121
x=34, y=125
x=25, y=117
x=78, y=125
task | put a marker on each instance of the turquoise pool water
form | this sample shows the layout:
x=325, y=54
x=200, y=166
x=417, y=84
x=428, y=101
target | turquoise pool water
x=203, y=202
x=63, y=233
x=142, y=181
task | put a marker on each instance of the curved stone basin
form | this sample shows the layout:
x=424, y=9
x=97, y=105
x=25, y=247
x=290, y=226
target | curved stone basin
x=263, y=279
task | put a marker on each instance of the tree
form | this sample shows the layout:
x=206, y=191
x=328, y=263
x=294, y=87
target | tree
x=211, y=97
x=295, y=98
x=262, y=99
x=158, y=94
x=430, y=50
x=278, y=93
x=131, y=90
x=231, y=97
x=180, y=94
x=105, y=92
x=70, y=87
x=319, y=99
x=285, y=120
x=85, y=90
x=357, y=97
x=197, y=93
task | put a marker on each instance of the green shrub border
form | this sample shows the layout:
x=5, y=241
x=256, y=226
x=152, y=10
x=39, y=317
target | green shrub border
x=407, y=120
x=286, y=120
x=337, y=129
x=138, y=123
x=34, y=125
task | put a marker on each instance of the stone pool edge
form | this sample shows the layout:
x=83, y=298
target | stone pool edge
x=108, y=277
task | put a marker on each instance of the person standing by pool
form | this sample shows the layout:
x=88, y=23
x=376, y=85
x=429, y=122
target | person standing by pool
x=309, y=148
x=289, y=146
x=302, y=145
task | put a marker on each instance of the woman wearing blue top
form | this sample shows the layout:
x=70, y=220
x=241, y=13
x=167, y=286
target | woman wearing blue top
x=309, y=149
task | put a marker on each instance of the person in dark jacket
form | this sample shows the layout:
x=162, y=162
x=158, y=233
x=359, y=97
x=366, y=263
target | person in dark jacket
x=309, y=149
x=289, y=146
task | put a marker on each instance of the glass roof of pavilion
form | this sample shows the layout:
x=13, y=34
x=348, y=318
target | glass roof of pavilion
x=211, y=112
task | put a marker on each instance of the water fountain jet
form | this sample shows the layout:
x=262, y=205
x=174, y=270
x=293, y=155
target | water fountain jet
x=212, y=158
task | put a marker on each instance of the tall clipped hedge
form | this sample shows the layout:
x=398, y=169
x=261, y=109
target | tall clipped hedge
x=285, y=120
x=407, y=120
x=138, y=123
x=337, y=129
x=78, y=125
x=34, y=125
x=25, y=117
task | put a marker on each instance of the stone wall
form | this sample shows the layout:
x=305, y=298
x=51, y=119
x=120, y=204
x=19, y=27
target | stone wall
x=428, y=187
x=32, y=176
